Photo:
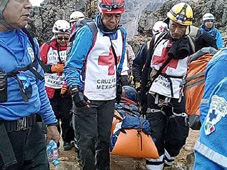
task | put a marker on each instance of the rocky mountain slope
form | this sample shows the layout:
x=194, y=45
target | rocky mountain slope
x=138, y=18
x=43, y=17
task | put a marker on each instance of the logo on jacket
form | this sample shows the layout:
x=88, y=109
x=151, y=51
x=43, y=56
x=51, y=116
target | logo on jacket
x=218, y=110
x=31, y=53
x=109, y=61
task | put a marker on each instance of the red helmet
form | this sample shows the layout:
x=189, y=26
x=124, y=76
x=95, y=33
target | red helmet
x=111, y=6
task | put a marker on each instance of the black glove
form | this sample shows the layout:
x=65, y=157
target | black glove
x=78, y=97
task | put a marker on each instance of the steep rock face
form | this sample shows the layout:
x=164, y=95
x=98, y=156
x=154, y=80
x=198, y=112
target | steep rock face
x=138, y=19
x=134, y=10
x=217, y=7
x=43, y=17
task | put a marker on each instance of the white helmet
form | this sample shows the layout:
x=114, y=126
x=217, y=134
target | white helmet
x=61, y=26
x=208, y=16
x=75, y=16
x=158, y=27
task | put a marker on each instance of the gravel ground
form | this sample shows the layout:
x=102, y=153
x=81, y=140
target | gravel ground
x=68, y=158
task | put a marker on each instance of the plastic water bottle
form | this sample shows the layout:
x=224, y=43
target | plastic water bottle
x=52, y=152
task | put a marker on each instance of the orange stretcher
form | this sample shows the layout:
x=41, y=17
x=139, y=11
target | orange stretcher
x=116, y=119
x=135, y=143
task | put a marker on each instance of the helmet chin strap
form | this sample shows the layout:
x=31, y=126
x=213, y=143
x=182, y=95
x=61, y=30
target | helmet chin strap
x=2, y=21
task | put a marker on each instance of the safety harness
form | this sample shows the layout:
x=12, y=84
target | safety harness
x=30, y=67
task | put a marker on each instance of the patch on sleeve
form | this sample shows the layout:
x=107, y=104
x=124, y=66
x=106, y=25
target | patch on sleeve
x=31, y=53
x=218, y=110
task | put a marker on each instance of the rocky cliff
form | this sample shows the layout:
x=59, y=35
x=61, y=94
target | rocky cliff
x=43, y=17
x=138, y=18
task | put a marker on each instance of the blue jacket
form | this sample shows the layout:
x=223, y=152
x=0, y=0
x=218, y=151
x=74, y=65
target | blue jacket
x=16, y=52
x=77, y=58
x=212, y=141
x=214, y=32
x=216, y=70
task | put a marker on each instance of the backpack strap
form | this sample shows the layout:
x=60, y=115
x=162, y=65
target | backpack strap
x=154, y=44
x=192, y=45
x=93, y=29
x=30, y=67
x=148, y=45
x=150, y=53
x=215, y=33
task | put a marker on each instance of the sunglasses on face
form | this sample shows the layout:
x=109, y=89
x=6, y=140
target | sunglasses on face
x=209, y=20
x=61, y=38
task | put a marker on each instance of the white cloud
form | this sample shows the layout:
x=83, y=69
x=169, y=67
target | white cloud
x=36, y=2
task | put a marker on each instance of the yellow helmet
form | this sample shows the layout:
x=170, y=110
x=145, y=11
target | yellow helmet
x=181, y=13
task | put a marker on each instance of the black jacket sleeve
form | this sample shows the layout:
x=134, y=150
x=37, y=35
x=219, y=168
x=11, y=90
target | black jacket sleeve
x=139, y=62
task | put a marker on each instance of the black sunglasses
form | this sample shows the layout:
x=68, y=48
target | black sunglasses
x=61, y=38
x=209, y=20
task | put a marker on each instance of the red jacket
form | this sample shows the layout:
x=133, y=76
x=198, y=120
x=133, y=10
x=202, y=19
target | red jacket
x=44, y=49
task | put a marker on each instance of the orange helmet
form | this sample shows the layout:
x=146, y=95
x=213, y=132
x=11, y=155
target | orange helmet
x=111, y=6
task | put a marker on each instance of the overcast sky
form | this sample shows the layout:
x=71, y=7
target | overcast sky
x=36, y=2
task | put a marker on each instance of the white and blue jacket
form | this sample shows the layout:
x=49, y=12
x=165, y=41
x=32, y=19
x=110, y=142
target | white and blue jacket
x=216, y=70
x=16, y=52
x=213, y=110
x=215, y=33
x=212, y=140
x=91, y=65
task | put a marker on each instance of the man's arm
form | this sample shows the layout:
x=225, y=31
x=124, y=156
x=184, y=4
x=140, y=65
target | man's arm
x=75, y=64
x=219, y=40
x=139, y=62
x=57, y=68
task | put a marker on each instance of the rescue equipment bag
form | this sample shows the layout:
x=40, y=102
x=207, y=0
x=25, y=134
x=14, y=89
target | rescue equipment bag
x=195, y=78
x=122, y=110
x=135, y=143
x=131, y=137
x=194, y=84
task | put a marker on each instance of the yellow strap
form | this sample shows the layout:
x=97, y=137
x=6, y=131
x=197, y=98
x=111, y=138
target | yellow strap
x=148, y=45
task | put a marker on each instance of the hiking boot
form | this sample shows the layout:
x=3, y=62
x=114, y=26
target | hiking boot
x=67, y=146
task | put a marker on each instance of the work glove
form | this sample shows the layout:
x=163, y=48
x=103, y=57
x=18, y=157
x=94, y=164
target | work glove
x=79, y=99
x=137, y=85
x=58, y=68
x=131, y=79
x=52, y=133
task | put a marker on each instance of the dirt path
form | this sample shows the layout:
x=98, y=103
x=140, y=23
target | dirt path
x=68, y=158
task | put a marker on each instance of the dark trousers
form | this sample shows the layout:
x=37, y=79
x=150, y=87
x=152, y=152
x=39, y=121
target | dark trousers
x=93, y=127
x=169, y=131
x=61, y=107
x=29, y=147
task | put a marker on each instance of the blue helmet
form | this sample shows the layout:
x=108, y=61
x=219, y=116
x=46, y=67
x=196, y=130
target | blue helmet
x=130, y=93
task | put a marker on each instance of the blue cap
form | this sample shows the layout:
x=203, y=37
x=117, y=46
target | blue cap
x=56, y=162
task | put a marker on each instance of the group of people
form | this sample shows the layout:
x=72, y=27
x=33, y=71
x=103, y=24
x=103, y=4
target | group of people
x=40, y=86
x=159, y=70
